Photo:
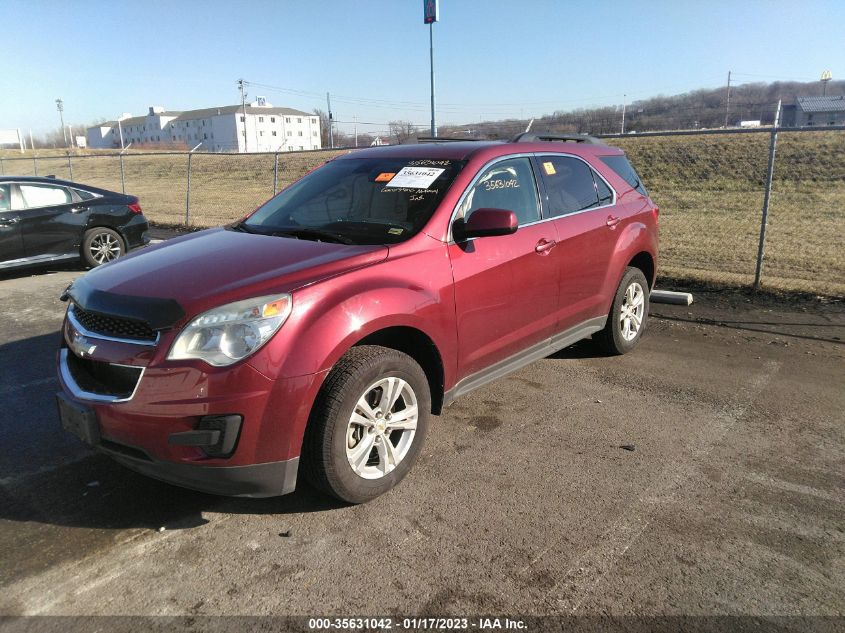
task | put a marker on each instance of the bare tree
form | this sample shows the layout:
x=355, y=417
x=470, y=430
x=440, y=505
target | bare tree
x=324, y=127
x=401, y=131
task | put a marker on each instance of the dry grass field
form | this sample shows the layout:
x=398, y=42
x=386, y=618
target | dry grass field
x=709, y=189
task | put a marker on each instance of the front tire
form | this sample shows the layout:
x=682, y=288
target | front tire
x=628, y=314
x=101, y=246
x=368, y=425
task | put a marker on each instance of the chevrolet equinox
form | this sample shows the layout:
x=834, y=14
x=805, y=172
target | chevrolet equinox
x=318, y=335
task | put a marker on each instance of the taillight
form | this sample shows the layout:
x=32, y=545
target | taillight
x=134, y=207
x=656, y=212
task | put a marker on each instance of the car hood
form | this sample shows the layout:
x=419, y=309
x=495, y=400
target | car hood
x=210, y=268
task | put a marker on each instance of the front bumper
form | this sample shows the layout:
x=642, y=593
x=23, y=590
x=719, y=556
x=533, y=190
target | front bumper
x=137, y=427
x=256, y=480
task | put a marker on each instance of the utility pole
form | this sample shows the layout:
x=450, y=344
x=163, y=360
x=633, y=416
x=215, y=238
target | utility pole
x=241, y=83
x=120, y=131
x=431, y=14
x=728, y=100
x=31, y=142
x=331, y=119
x=624, y=104
x=355, y=118
x=60, y=106
x=770, y=172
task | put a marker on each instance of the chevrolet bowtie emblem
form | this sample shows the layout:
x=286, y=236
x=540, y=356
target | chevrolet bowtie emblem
x=79, y=344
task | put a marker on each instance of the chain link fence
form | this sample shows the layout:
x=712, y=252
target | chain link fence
x=710, y=188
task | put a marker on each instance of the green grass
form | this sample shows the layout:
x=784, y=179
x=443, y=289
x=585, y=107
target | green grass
x=709, y=189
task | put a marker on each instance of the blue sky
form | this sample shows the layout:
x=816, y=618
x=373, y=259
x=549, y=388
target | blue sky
x=493, y=58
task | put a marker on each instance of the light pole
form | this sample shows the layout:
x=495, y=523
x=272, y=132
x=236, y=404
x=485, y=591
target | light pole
x=431, y=9
x=60, y=106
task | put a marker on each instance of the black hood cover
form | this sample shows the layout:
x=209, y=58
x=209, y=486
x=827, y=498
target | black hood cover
x=159, y=314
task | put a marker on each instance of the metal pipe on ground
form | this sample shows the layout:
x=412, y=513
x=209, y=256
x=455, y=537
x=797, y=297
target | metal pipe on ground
x=668, y=296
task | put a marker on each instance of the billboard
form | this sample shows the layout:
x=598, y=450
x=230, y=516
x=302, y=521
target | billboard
x=431, y=9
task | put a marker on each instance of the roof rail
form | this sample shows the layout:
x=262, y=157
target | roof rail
x=444, y=139
x=534, y=137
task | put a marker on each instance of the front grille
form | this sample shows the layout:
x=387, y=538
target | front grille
x=116, y=327
x=103, y=379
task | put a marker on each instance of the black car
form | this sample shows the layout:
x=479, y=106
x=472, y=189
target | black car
x=46, y=220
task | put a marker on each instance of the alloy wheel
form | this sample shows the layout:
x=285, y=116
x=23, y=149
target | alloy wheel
x=632, y=311
x=104, y=248
x=382, y=427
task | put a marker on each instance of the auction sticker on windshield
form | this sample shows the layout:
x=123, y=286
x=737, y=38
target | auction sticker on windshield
x=415, y=177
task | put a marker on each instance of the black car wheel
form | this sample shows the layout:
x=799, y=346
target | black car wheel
x=101, y=245
x=368, y=424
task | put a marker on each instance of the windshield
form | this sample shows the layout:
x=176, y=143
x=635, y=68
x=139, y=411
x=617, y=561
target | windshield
x=358, y=201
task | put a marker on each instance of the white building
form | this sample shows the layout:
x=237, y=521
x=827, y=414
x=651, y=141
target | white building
x=257, y=127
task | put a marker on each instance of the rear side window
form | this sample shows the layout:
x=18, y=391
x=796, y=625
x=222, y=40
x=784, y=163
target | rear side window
x=44, y=195
x=623, y=169
x=5, y=198
x=569, y=185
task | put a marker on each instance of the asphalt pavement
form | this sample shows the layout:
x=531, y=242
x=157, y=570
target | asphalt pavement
x=701, y=474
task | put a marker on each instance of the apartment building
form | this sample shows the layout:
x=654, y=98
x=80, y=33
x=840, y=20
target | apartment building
x=256, y=127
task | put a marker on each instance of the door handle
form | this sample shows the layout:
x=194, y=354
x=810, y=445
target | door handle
x=77, y=209
x=544, y=246
x=612, y=221
x=9, y=221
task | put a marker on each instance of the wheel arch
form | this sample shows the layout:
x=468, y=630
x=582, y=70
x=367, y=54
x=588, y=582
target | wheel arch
x=645, y=262
x=419, y=346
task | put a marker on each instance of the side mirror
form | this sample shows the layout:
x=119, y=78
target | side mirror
x=486, y=223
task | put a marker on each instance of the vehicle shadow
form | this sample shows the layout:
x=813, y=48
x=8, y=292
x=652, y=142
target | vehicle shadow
x=775, y=328
x=49, y=477
x=584, y=348
x=42, y=269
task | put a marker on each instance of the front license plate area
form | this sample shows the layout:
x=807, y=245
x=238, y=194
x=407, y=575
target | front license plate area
x=79, y=420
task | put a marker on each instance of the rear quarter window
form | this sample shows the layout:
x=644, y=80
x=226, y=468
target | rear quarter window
x=624, y=170
x=85, y=195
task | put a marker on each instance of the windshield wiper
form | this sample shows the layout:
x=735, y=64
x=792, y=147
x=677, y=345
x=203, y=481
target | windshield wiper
x=241, y=226
x=309, y=233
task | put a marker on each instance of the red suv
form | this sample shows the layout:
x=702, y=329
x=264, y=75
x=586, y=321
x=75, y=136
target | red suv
x=320, y=333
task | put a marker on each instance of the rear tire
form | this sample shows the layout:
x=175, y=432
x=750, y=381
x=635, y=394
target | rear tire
x=368, y=424
x=628, y=315
x=101, y=246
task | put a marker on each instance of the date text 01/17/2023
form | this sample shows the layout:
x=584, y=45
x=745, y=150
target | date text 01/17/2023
x=417, y=624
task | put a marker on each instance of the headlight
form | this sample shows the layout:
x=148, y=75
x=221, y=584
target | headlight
x=232, y=332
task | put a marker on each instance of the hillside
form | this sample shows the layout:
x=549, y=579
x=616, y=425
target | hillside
x=692, y=110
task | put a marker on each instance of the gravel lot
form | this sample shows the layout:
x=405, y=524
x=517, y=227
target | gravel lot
x=524, y=502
